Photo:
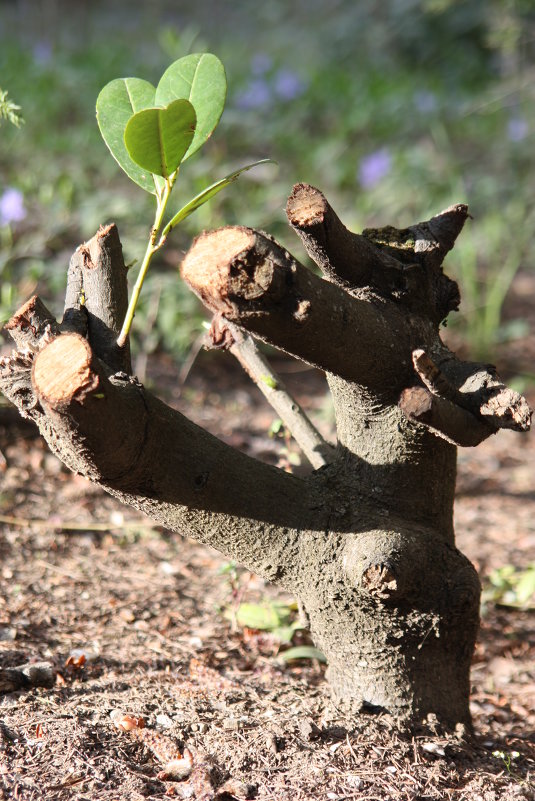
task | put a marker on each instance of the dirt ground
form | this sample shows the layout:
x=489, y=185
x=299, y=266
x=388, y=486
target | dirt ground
x=132, y=618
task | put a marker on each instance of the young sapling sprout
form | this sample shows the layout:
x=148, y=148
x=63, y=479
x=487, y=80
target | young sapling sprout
x=151, y=131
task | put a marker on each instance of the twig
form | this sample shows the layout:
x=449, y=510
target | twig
x=243, y=347
x=25, y=522
x=194, y=351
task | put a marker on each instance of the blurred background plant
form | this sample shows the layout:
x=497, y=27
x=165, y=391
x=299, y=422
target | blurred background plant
x=395, y=110
x=510, y=586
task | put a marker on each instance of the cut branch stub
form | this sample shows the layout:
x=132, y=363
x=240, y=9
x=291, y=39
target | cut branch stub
x=32, y=325
x=438, y=235
x=253, y=281
x=475, y=388
x=62, y=372
x=227, y=265
x=95, y=424
x=435, y=381
x=380, y=581
x=442, y=417
x=506, y=408
x=343, y=256
x=97, y=296
x=402, y=264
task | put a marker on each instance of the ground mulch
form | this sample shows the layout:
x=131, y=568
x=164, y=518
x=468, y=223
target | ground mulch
x=139, y=622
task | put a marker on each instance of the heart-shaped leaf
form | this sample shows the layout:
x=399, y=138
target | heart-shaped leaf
x=208, y=193
x=199, y=78
x=115, y=105
x=158, y=138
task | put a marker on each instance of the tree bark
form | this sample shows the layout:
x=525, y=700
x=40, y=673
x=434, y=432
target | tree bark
x=366, y=542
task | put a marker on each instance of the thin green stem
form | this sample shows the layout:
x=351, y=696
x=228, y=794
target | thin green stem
x=154, y=244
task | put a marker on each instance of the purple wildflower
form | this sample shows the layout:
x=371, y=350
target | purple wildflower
x=517, y=129
x=255, y=95
x=11, y=206
x=288, y=84
x=260, y=64
x=374, y=167
x=42, y=52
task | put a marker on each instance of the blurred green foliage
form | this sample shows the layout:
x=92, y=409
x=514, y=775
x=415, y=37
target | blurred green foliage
x=9, y=110
x=511, y=586
x=395, y=110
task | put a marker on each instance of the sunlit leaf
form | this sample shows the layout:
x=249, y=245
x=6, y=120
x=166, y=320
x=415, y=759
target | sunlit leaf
x=263, y=617
x=209, y=192
x=199, y=78
x=525, y=589
x=509, y=586
x=158, y=138
x=116, y=103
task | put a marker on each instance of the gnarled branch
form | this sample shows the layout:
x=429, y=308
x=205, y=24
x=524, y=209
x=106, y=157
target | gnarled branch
x=442, y=417
x=107, y=427
x=403, y=264
x=251, y=280
x=464, y=396
x=31, y=325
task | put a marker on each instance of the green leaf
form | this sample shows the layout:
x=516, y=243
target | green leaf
x=525, y=589
x=208, y=193
x=285, y=633
x=9, y=110
x=199, y=78
x=263, y=617
x=158, y=138
x=302, y=652
x=276, y=427
x=115, y=105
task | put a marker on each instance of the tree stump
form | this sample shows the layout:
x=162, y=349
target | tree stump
x=365, y=542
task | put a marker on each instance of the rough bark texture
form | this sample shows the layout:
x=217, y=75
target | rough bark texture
x=96, y=299
x=366, y=542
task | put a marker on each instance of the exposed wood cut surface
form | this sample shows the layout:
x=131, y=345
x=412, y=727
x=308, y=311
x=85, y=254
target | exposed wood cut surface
x=62, y=371
x=306, y=206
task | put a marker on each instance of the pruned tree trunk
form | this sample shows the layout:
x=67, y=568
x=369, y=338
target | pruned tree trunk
x=366, y=541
